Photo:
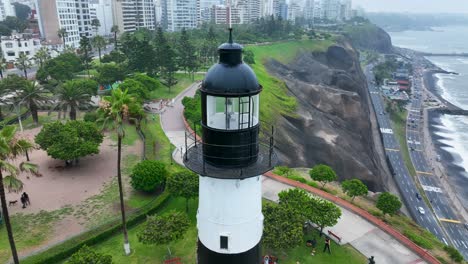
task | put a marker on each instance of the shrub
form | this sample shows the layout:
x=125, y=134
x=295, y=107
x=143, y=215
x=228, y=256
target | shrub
x=135, y=88
x=420, y=241
x=454, y=254
x=150, y=84
x=86, y=256
x=297, y=178
x=90, y=117
x=312, y=184
x=322, y=173
x=148, y=175
x=164, y=228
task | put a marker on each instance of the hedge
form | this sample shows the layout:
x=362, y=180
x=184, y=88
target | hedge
x=418, y=240
x=64, y=250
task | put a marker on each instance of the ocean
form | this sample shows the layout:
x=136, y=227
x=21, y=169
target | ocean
x=449, y=132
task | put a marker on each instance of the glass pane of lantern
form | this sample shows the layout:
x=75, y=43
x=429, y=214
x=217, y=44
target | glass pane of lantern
x=255, y=109
x=215, y=112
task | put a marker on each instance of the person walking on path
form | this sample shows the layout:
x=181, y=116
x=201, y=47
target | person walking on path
x=371, y=260
x=23, y=201
x=26, y=198
x=327, y=245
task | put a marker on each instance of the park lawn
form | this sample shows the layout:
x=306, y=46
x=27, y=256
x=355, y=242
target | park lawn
x=275, y=100
x=28, y=123
x=131, y=135
x=184, y=248
x=30, y=230
x=183, y=81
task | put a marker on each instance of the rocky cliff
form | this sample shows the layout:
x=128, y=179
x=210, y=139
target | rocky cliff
x=369, y=37
x=333, y=122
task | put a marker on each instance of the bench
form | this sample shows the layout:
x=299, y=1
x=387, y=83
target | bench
x=334, y=235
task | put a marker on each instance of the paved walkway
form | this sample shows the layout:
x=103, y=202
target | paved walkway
x=365, y=237
x=362, y=235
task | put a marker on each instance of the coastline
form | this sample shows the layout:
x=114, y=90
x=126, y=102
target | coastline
x=453, y=184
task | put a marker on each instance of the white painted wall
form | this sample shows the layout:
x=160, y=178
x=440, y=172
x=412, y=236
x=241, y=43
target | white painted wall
x=232, y=208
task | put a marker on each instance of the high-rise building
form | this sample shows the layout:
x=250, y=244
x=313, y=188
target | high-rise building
x=222, y=14
x=309, y=7
x=331, y=9
x=294, y=11
x=130, y=15
x=345, y=10
x=249, y=10
x=205, y=9
x=267, y=8
x=179, y=14
x=71, y=15
x=6, y=9
x=102, y=10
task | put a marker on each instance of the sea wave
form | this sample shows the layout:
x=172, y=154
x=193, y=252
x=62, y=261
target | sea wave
x=455, y=139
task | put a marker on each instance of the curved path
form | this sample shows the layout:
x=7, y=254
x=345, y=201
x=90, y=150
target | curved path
x=370, y=238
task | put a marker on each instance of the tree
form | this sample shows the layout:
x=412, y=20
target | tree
x=110, y=73
x=69, y=141
x=4, y=30
x=161, y=44
x=148, y=175
x=115, y=108
x=183, y=184
x=3, y=65
x=322, y=173
x=14, y=23
x=388, y=203
x=85, y=50
x=299, y=201
x=22, y=11
x=325, y=213
x=63, y=67
x=211, y=43
x=249, y=57
x=87, y=256
x=73, y=94
x=33, y=94
x=150, y=84
x=95, y=23
x=185, y=50
x=354, y=188
x=115, y=31
x=23, y=63
x=10, y=147
x=114, y=56
x=169, y=68
x=282, y=227
x=99, y=43
x=42, y=55
x=140, y=53
x=62, y=33
x=136, y=89
x=162, y=229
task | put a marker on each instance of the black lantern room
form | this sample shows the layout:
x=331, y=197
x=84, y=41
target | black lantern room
x=230, y=95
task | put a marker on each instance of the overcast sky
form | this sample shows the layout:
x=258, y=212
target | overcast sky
x=420, y=6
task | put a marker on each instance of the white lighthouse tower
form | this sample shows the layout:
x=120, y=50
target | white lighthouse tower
x=230, y=161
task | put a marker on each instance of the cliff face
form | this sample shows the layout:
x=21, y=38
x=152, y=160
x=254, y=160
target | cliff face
x=369, y=37
x=333, y=117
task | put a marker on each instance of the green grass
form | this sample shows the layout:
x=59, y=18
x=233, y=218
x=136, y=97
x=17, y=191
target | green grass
x=30, y=230
x=183, y=81
x=28, y=123
x=131, y=135
x=158, y=146
x=274, y=99
x=184, y=248
x=339, y=254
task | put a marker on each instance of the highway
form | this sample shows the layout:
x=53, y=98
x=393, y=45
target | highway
x=430, y=182
x=399, y=171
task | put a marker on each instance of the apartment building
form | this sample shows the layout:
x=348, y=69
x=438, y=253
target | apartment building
x=102, y=10
x=71, y=15
x=130, y=15
x=179, y=14
x=249, y=10
x=6, y=9
x=16, y=44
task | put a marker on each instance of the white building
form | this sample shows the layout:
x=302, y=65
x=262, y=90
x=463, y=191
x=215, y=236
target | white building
x=130, y=15
x=267, y=8
x=249, y=10
x=6, y=9
x=309, y=7
x=102, y=10
x=205, y=9
x=71, y=15
x=179, y=14
x=294, y=11
x=331, y=9
x=16, y=44
x=345, y=10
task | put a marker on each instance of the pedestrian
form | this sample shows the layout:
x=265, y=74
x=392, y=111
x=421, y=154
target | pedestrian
x=26, y=198
x=371, y=260
x=327, y=245
x=23, y=202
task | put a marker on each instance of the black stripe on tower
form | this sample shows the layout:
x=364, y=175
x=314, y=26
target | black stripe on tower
x=207, y=256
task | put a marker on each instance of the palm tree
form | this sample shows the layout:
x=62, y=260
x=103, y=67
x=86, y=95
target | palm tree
x=95, y=24
x=23, y=63
x=62, y=33
x=34, y=95
x=71, y=95
x=99, y=42
x=3, y=66
x=115, y=30
x=10, y=148
x=42, y=55
x=115, y=109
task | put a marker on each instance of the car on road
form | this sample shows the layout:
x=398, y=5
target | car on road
x=418, y=196
x=466, y=225
x=421, y=210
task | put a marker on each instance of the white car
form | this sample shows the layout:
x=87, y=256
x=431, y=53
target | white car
x=421, y=210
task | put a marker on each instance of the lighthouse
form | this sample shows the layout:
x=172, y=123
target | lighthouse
x=230, y=160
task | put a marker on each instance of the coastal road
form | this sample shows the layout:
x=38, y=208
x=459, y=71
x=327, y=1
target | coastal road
x=399, y=171
x=430, y=182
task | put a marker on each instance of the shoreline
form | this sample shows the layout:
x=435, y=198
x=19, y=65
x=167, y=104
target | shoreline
x=453, y=184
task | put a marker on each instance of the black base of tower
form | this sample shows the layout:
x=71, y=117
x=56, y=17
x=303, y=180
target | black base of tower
x=206, y=256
